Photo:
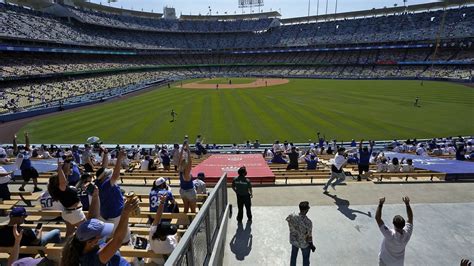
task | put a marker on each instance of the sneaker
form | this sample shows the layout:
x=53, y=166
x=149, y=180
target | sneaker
x=37, y=189
x=359, y=179
x=368, y=179
x=21, y=189
x=325, y=189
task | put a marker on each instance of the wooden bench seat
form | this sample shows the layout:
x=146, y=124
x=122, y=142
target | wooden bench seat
x=414, y=175
x=53, y=251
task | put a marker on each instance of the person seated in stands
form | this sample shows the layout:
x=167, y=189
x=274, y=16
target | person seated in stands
x=451, y=150
x=353, y=143
x=175, y=156
x=5, y=178
x=437, y=151
x=148, y=164
x=113, y=159
x=293, y=159
x=73, y=173
x=394, y=167
x=460, y=152
x=44, y=153
x=408, y=167
x=312, y=162
x=4, y=156
x=267, y=154
x=200, y=184
x=85, y=247
x=13, y=259
x=278, y=158
x=87, y=161
x=30, y=237
x=382, y=166
x=162, y=237
x=165, y=158
x=200, y=150
x=276, y=147
x=145, y=162
x=256, y=144
x=160, y=188
x=352, y=158
x=329, y=150
x=469, y=147
x=76, y=154
x=421, y=150
x=398, y=148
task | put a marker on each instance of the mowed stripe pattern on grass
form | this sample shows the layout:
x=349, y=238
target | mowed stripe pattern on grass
x=340, y=109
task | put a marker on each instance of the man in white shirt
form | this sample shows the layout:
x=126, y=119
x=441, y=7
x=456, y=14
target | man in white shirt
x=337, y=171
x=421, y=150
x=392, y=250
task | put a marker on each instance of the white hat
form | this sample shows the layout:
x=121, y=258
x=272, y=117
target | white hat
x=160, y=181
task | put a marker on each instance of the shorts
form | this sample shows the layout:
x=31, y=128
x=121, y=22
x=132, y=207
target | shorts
x=363, y=168
x=340, y=175
x=4, y=192
x=73, y=216
x=29, y=173
x=188, y=194
x=115, y=221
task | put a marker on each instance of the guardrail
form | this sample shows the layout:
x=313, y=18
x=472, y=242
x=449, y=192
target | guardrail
x=196, y=245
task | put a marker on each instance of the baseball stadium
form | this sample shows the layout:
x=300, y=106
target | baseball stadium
x=135, y=137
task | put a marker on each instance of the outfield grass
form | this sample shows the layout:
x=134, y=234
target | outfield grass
x=340, y=109
x=226, y=81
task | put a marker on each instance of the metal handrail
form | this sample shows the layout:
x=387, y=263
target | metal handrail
x=183, y=246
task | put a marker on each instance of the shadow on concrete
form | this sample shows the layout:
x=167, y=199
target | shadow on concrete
x=241, y=243
x=343, y=207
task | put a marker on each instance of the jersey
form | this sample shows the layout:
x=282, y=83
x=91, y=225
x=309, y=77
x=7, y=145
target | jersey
x=155, y=197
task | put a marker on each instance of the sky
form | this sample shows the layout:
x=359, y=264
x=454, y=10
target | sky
x=288, y=8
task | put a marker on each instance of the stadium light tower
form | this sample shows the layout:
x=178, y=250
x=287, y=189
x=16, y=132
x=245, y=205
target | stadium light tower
x=309, y=7
x=250, y=4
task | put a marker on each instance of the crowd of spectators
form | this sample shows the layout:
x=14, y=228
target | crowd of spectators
x=172, y=25
x=66, y=91
x=17, y=22
x=15, y=65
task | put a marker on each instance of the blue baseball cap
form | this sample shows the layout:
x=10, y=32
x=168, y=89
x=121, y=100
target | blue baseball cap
x=18, y=212
x=93, y=228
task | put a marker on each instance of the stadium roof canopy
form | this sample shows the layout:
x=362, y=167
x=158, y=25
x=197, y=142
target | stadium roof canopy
x=273, y=14
x=39, y=4
x=379, y=11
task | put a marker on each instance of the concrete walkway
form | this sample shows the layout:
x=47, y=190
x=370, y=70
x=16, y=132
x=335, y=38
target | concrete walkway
x=348, y=235
x=344, y=228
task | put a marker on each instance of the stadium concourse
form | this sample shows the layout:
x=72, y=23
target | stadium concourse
x=105, y=202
